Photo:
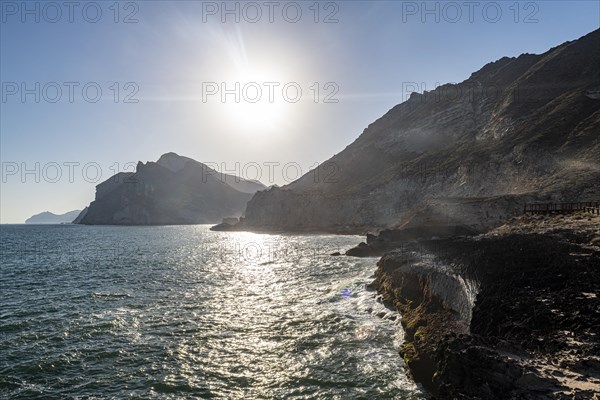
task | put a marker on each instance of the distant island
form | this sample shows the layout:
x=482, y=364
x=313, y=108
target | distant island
x=174, y=190
x=47, y=218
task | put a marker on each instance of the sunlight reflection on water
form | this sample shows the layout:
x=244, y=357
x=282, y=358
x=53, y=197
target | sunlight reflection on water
x=172, y=312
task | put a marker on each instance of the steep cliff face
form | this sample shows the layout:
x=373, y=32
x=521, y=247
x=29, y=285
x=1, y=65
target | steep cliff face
x=518, y=129
x=509, y=314
x=174, y=190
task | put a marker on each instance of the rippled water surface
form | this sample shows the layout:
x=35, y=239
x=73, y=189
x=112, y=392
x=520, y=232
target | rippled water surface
x=183, y=312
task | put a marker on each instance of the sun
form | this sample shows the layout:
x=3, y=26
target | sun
x=253, y=99
x=250, y=112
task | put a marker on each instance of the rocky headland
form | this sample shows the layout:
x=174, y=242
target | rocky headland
x=173, y=190
x=510, y=314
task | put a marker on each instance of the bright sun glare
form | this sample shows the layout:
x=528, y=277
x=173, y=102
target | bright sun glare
x=262, y=114
x=253, y=99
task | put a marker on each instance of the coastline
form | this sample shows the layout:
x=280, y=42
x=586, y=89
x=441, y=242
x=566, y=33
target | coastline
x=507, y=314
x=479, y=320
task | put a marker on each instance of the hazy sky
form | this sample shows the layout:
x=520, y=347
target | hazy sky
x=161, y=67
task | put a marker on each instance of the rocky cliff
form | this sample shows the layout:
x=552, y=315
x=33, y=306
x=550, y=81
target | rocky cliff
x=466, y=154
x=173, y=190
x=509, y=314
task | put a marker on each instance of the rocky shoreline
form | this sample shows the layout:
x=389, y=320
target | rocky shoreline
x=510, y=314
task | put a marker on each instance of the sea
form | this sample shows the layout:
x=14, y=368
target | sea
x=181, y=312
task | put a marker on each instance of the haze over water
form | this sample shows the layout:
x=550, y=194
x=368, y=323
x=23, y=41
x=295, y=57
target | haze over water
x=183, y=312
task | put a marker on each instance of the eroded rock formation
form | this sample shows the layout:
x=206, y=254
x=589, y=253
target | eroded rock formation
x=173, y=190
x=467, y=154
x=509, y=314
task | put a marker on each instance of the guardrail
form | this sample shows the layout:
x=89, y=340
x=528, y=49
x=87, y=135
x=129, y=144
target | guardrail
x=562, y=208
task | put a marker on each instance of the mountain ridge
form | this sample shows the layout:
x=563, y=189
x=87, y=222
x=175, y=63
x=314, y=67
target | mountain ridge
x=521, y=129
x=173, y=190
x=47, y=217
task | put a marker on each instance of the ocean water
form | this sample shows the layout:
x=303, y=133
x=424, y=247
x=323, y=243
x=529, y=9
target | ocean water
x=183, y=312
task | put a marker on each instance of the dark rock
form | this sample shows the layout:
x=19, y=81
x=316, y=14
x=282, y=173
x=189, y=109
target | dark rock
x=371, y=238
x=534, y=292
x=229, y=224
x=174, y=190
x=390, y=239
x=362, y=250
x=469, y=161
x=467, y=367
